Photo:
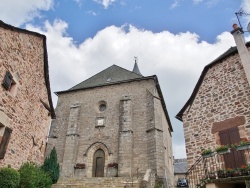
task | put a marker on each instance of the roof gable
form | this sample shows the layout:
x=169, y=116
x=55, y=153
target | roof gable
x=45, y=56
x=108, y=76
x=229, y=52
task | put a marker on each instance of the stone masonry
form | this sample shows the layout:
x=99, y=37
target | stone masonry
x=132, y=131
x=21, y=111
x=221, y=102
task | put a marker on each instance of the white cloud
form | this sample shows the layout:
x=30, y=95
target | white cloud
x=246, y=9
x=91, y=12
x=79, y=3
x=246, y=5
x=23, y=11
x=175, y=4
x=105, y=3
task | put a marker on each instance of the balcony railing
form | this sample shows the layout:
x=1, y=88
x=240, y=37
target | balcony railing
x=224, y=167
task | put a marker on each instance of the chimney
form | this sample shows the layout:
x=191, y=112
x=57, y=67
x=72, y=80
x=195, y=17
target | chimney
x=242, y=49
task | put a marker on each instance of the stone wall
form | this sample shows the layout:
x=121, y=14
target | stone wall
x=20, y=107
x=126, y=116
x=222, y=102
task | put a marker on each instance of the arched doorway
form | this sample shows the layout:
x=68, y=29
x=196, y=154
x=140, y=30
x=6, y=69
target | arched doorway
x=98, y=163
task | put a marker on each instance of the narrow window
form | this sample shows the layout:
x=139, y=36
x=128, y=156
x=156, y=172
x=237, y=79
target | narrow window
x=7, y=80
x=5, y=141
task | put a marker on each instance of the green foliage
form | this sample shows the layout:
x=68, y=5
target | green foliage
x=244, y=143
x=9, y=178
x=32, y=176
x=51, y=166
x=158, y=184
x=207, y=151
x=221, y=148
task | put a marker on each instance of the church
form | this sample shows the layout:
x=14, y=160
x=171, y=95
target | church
x=114, y=124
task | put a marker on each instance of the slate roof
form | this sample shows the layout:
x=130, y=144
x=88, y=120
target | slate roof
x=117, y=75
x=229, y=52
x=180, y=166
x=111, y=75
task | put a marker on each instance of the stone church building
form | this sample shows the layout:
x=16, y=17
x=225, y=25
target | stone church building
x=114, y=124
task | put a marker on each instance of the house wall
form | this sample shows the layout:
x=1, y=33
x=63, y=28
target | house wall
x=221, y=102
x=20, y=108
x=126, y=138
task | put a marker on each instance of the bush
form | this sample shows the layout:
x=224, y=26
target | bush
x=9, y=178
x=51, y=166
x=32, y=176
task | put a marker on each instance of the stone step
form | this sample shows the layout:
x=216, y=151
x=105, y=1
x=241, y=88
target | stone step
x=116, y=182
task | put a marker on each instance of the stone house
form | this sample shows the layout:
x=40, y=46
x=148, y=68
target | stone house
x=25, y=98
x=113, y=124
x=180, y=168
x=217, y=113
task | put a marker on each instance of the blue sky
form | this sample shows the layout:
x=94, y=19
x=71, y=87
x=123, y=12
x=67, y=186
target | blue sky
x=173, y=39
x=207, y=19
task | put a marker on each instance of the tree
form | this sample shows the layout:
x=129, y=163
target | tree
x=51, y=166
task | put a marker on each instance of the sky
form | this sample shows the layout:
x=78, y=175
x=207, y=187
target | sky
x=173, y=39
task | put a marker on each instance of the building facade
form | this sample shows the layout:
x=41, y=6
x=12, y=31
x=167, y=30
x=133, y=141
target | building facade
x=113, y=124
x=25, y=99
x=218, y=113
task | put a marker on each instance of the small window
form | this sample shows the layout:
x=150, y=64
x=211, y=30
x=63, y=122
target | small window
x=5, y=141
x=102, y=107
x=8, y=80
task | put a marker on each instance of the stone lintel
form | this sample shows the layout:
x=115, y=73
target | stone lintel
x=228, y=123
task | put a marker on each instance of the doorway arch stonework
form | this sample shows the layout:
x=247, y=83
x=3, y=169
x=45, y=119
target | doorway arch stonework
x=90, y=156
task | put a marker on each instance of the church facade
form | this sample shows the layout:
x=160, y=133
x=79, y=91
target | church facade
x=114, y=124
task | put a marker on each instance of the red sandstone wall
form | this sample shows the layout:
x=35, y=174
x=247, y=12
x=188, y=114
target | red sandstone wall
x=222, y=102
x=23, y=55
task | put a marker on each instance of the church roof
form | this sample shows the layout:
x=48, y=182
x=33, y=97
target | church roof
x=111, y=75
x=229, y=52
x=117, y=75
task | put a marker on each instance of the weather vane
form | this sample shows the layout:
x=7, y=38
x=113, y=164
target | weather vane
x=240, y=14
x=136, y=59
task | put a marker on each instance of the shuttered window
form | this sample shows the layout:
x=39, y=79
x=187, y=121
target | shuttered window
x=236, y=158
x=5, y=141
x=7, y=80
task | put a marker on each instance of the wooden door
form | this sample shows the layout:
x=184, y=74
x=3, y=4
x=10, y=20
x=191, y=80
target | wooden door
x=98, y=163
x=236, y=158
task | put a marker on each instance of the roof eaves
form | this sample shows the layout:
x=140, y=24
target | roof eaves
x=103, y=85
x=46, y=69
x=230, y=51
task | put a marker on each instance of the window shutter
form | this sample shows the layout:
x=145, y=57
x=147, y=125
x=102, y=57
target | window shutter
x=7, y=80
x=5, y=141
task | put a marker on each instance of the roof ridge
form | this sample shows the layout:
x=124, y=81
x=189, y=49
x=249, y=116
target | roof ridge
x=128, y=72
x=92, y=76
x=227, y=53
